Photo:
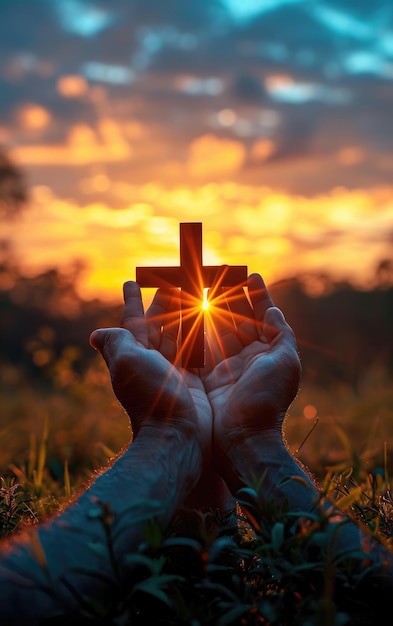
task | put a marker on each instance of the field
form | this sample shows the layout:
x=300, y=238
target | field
x=49, y=434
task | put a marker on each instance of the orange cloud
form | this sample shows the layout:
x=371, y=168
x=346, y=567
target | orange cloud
x=262, y=149
x=72, y=86
x=275, y=81
x=33, y=117
x=211, y=156
x=84, y=145
x=351, y=155
x=4, y=135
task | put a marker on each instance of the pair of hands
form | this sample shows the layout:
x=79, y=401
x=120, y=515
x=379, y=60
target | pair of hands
x=251, y=375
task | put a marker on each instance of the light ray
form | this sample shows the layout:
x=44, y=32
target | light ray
x=205, y=300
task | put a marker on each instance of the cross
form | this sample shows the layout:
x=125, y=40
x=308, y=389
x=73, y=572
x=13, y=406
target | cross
x=192, y=276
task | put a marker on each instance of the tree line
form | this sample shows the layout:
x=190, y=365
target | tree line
x=341, y=334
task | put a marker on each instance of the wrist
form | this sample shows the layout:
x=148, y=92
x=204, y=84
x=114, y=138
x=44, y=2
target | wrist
x=264, y=463
x=175, y=448
x=243, y=457
x=234, y=429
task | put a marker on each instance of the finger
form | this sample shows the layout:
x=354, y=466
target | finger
x=122, y=355
x=223, y=339
x=163, y=319
x=133, y=318
x=154, y=317
x=283, y=346
x=168, y=345
x=243, y=316
x=275, y=323
x=112, y=342
x=281, y=336
x=260, y=298
x=97, y=339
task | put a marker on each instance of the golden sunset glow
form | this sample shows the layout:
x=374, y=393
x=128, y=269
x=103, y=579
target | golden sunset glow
x=275, y=234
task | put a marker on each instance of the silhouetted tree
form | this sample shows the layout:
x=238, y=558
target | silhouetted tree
x=384, y=272
x=13, y=192
x=342, y=333
x=43, y=320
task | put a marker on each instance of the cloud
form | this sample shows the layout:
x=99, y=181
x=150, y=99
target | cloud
x=72, y=86
x=211, y=156
x=83, y=146
x=249, y=9
x=83, y=19
x=33, y=117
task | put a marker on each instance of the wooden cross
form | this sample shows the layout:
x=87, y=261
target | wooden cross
x=192, y=276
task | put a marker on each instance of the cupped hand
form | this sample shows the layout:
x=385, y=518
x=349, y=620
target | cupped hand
x=140, y=357
x=253, y=370
x=161, y=332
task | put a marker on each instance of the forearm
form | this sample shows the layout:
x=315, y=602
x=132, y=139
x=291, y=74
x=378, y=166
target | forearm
x=264, y=463
x=80, y=553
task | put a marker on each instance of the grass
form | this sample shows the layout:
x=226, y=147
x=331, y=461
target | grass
x=51, y=440
x=350, y=428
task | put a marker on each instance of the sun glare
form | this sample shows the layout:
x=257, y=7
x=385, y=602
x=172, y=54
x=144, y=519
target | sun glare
x=205, y=301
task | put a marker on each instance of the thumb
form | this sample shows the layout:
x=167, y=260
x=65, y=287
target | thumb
x=274, y=323
x=97, y=338
x=113, y=341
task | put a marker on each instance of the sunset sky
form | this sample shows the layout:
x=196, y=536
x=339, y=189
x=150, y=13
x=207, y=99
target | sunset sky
x=269, y=121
